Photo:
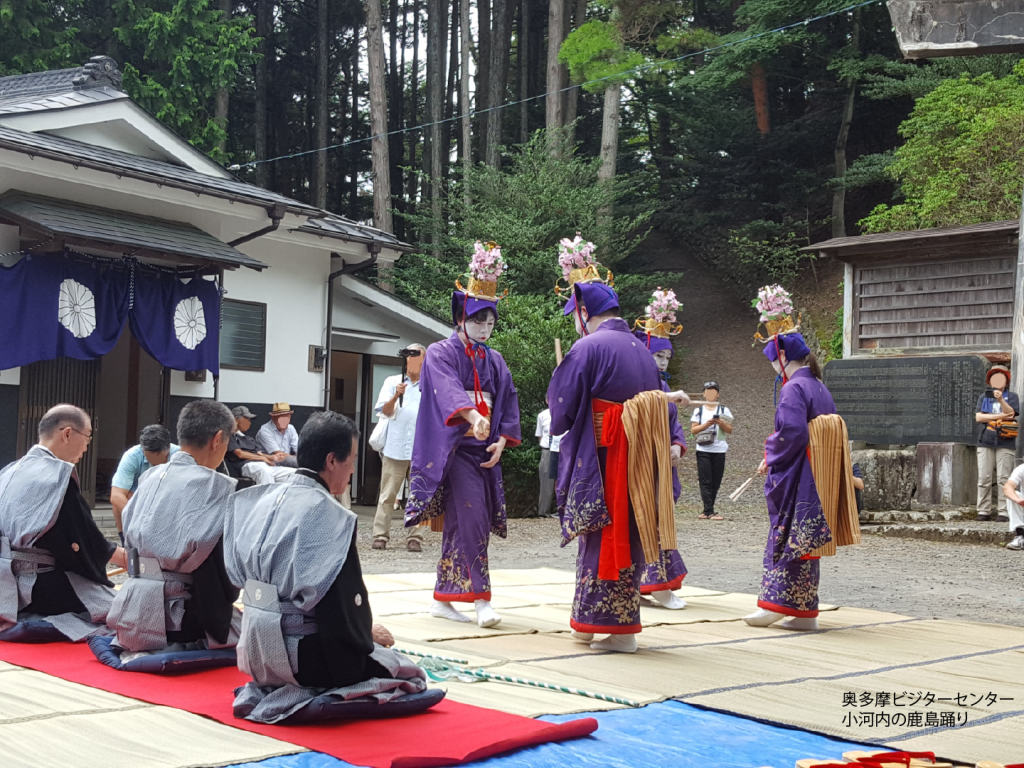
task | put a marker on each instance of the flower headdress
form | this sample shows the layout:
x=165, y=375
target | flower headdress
x=775, y=304
x=485, y=267
x=576, y=258
x=660, y=319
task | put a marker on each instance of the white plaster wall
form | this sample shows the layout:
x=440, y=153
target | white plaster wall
x=294, y=288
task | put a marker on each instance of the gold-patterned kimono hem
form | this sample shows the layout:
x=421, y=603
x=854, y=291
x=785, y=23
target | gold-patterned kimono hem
x=829, y=452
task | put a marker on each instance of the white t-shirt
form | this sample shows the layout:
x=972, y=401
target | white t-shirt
x=1017, y=477
x=543, y=433
x=702, y=415
x=402, y=429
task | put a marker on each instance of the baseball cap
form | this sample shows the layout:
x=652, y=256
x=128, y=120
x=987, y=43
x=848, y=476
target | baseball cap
x=712, y=385
x=242, y=412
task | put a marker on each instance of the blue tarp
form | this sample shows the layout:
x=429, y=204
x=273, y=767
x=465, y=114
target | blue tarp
x=666, y=734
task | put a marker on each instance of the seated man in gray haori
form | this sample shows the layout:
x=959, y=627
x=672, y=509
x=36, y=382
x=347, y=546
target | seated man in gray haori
x=178, y=596
x=53, y=558
x=307, y=629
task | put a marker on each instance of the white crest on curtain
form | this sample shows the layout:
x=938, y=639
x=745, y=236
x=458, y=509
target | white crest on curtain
x=190, y=322
x=76, y=308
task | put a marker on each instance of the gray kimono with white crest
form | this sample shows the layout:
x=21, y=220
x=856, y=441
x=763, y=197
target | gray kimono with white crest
x=306, y=624
x=174, y=523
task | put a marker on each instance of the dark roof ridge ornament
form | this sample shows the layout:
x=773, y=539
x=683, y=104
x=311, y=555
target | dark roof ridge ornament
x=98, y=72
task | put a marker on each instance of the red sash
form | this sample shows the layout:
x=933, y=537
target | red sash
x=615, y=549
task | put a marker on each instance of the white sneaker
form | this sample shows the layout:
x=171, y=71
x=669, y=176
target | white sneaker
x=800, y=625
x=763, y=618
x=486, y=616
x=442, y=610
x=668, y=599
x=1016, y=544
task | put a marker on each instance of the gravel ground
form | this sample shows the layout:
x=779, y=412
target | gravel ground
x=907, y=576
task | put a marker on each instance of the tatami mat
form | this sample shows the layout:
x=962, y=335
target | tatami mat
x=46, y=721
x=707, y=656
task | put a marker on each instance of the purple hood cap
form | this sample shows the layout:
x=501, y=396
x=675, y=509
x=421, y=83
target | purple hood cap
x=596, y=297
x=462, y=303
x=792, y=343
x=654, y=343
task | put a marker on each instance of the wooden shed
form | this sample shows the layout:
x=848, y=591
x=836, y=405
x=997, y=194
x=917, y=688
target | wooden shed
x=930, y=291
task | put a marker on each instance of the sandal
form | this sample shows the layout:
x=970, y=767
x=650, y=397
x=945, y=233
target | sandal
x=716, y=517
x=703, y=517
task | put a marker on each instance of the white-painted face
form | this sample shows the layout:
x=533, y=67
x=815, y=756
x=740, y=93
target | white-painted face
x=661, y=357
x=480, y=327
x=580, y=323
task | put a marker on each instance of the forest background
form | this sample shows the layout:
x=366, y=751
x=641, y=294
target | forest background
x=695, y=120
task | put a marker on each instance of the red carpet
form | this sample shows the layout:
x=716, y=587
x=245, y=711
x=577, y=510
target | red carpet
x=448, y=734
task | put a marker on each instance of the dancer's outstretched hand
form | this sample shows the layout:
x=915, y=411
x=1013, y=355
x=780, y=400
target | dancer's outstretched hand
x=763, y=468
x=496, y=451
x=680, y=398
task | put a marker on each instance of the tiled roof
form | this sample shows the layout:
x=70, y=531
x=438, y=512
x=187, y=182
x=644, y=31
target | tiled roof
x=159, y=172
x=988, y=229
x=61, y=100
x=86, y=225
x=99, y=81
x=345, y=229
x=39, y=90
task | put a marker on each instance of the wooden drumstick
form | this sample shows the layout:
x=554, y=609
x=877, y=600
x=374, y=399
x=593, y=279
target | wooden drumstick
x=735, y=495
x=558, y=351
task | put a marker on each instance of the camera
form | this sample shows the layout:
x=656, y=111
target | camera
x=407, y=353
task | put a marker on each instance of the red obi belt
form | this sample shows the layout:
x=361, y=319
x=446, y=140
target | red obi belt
x=610, y=434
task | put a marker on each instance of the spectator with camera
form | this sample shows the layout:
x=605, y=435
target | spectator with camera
x=997, y=412
x=398, y=405
x=710, y=425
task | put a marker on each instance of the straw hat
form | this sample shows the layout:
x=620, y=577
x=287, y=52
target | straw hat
x=280, y=409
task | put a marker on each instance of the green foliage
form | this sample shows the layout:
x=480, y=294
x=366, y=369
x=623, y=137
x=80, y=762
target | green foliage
x=185, y=52
x=527, y=207
x=867, y=170
x=889, y=79
x=36, y=35
x=963, y=159
x=835, y=343
x=770, y=249
x=594, y=51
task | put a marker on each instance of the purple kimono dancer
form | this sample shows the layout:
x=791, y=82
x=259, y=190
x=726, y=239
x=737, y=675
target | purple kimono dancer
x=790, y=582
x=445, y=473
x=668, y=573
x=609, y=364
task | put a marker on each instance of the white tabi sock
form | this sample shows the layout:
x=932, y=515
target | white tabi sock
x=620, y=643
x=763, y=618
x=443, y=610
x=800, y=625
x=668, y=599
x=646, y=602
x=582, y=637
x=486, y=616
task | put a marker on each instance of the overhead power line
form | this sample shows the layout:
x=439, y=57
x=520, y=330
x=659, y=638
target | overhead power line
x=617, y=75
